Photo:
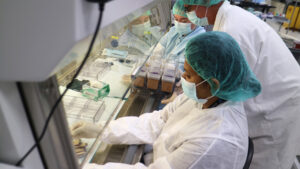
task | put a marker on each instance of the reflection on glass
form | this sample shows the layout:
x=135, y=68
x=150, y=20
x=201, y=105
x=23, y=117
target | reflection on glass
x=114, y=58
x=140, y=36
x=78, y=108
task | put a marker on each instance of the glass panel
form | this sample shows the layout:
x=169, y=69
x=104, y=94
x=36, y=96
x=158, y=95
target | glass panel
x=103, y=84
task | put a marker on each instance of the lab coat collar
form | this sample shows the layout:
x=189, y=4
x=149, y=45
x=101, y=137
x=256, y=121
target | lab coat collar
x=221, y=15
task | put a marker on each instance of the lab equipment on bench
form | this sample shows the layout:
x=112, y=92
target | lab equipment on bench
x=83, y=109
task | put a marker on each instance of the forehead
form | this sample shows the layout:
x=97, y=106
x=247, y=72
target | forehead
x=188, y=68
x=140, y=19
x=143, y=17
x=179, y=17
x=190, y=71
x=190, y=7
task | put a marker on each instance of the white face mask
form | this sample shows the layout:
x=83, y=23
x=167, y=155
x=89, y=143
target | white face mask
x=189, y=89
x=141, y=28
x=198, y=21
x=183, y=28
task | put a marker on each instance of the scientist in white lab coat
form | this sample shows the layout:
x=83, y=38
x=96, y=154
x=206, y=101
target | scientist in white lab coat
x=171, y=46
x=204, y=128
x=274, y=115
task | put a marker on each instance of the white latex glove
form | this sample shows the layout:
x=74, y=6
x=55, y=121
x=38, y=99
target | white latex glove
x=92, y=166
x=170, y=99
x=115, y=166
x=84, y=129
x=177, y=91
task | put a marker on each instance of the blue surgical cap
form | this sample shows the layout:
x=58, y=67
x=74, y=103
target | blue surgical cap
x=201, y=2
x=217, y=55
x=178, y=9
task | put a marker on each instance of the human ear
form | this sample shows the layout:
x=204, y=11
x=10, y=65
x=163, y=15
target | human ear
x=216, y=83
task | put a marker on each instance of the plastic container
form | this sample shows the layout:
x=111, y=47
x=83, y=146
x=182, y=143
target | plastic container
x=95, y=92
x=170, y=70
x=167, y=83
x=140, y=79
x=153, y=80
x=83, y=109
x=115, y=53
x=154, y=74
x=154, y=69
x=155, y=66
x=95, y=70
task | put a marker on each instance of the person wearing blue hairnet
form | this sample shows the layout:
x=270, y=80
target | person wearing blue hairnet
x=273, y=116
x=172, y=44
x=203, y=128
x=140, y=36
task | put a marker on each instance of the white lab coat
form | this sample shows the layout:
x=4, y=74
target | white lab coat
x=274, y=115
x=172, y=44
x=185, y=136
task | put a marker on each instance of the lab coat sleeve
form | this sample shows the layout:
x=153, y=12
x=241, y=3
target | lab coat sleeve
x=160, y=48
x=166, y=39
x=162, y=164
x=156, y=32
x=206, y=153
x=139, y=130
x=158, y=51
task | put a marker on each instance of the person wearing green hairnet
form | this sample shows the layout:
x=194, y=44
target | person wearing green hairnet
x=172, y=44
x=203, y=128
x=273, y=116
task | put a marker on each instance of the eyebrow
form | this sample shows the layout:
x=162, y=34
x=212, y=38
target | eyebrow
x=187, y=9
x=185, y=70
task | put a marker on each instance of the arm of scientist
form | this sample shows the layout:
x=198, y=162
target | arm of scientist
x=204, y=153
x=183, y=157
x=160, y=48
x=140, y=130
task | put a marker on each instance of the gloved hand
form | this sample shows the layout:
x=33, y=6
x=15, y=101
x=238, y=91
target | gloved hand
x=84, y=129
x=170, y=99
x=177, y=91
x=92, y=166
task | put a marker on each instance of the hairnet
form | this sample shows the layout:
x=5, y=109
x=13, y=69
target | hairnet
x=135, y=15
x=178, y=9
x=217, y=55
x=201, y=2
x=147, y=13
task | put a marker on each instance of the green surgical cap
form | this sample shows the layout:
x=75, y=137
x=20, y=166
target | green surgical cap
x=147, y=13
x=135, y=16
x=217, y=55
x=201, y=2
x=178, y=9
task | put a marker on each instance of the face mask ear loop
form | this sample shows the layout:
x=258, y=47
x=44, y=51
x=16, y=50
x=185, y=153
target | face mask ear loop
x=200, y=83
x=207, y=8
x=206, y=11
x=214, y=94
x=210, y=97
